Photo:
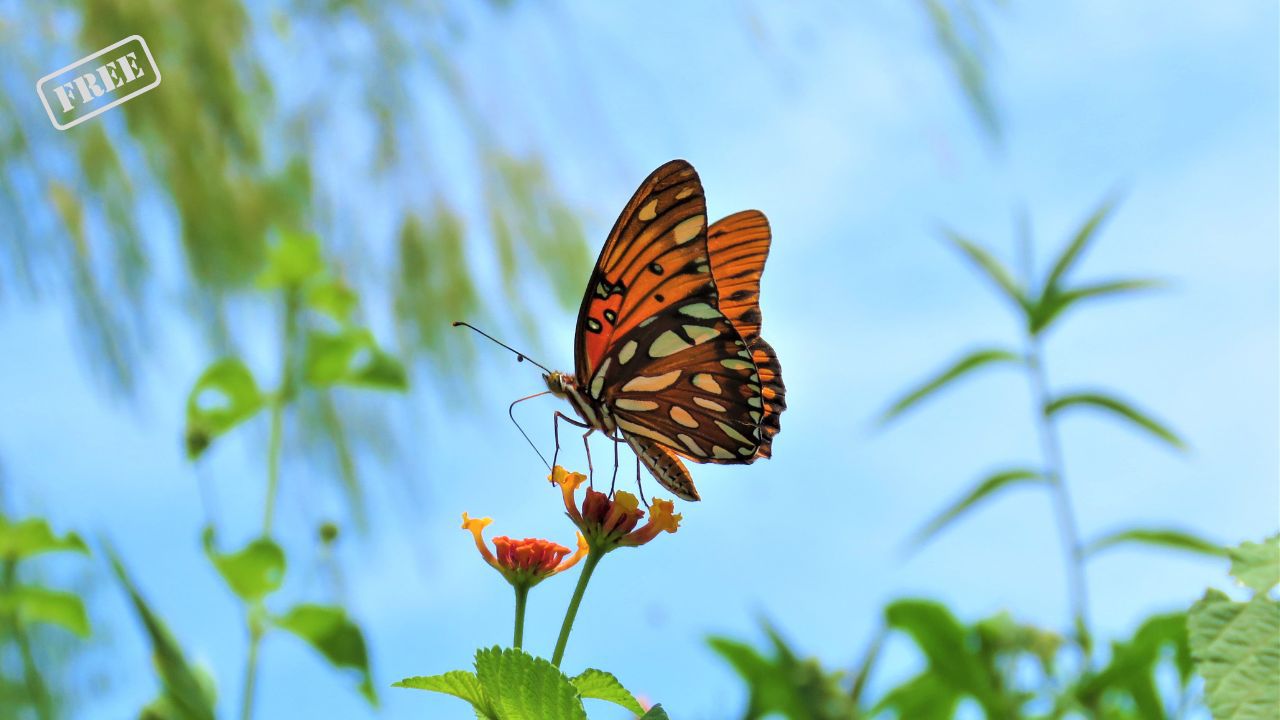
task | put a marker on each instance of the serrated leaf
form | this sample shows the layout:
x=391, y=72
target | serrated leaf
x=329, y=630
x=520, y=686
x=458, y=683
x=600, y=685
x=1236, y=648
x=182, y=689
x=992, y=269
x=224, y=396
x=33, y=536
x=351, y=357
x=1072, y=252
x=35, y=604
x=1117, y=408
x=1257, y=565
x=986, y=488
x=1162, y=537
x=963, y=366
x=253, y=572
x=656, y=713
x=292, y=261
x=1053, y=304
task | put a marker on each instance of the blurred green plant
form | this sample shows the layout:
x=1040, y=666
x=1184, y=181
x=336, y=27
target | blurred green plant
x=321, y=347
x=26, y=608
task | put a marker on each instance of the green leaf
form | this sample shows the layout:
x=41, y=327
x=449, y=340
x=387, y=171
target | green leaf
x=1236, y=648
x=972, y=361
x=1257, y=565
x=224, y=396
x=924, y=697
x=458, y=683
x=186, y=694
x=600, y=685
x=656, y=713
x=1054, y=303
x=1071, y=253
x=520, y=686
x=1134, y=666
x=944, y=642
x=992, y=268
x=292, y=261
x=253, y=572
x=336, y=636
x=333, y=298
x=351, y=357
x=34, y=604
x=989, y=486
x=33, y=536
x=1174, y=539
x=1118, y=408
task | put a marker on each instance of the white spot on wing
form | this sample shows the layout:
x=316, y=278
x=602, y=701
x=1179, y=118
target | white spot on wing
x=683, y=417
x=646, y=383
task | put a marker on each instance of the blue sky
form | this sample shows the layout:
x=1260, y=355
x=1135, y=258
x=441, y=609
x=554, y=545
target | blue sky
x=846, y=130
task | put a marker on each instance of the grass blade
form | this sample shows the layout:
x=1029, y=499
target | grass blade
x=1051, y=305
x=965, y=365
x=992, y=268
x=1071, y=254
x=1158, y=537
x=1118, y=408
x=988, y=487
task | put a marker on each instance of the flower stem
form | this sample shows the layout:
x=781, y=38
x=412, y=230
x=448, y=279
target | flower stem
x=522, y=595
x=1051, y=450
x=588, y=566
x=251, y=672
x=282, y=398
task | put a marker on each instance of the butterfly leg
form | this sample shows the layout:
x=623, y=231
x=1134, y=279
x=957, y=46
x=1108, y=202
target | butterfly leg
x=639, y=487
x=591, y=473
x=555, y=424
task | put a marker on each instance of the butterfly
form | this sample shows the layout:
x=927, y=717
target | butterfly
x=668, y=356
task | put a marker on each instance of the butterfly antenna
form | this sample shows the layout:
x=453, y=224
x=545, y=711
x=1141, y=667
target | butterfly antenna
x=511, y=413
x=520, y=357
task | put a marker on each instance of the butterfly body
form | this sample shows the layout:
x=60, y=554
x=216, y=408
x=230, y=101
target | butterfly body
x=668, y=353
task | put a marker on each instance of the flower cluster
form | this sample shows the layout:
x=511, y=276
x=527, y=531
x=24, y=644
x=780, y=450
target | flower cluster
x=527, y=562
x=609, y=523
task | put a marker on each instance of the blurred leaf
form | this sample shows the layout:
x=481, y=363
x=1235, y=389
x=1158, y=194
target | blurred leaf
x=1133, y=669
x=351, y=357
x=333, y=298
x=292, y=262
x=785, y=684
x=458, y=683
x=1257, y=565
x=225, y=396
x=182, y=688
x=1236, y=648
x=989, y=486
x=336, y=636
x=33, y=536
x=656, y=713
x=925, y=697
x=523, y=687
x=972, y=361
x=1174, y=539
x=600, y=685
x=1072, y=252
x=962, y=37
x=1053, y=304
x=253, y=572
x=943, y=641
x=1117, y=408
x=34, y=604
x=994, y=271
x=1005, y=636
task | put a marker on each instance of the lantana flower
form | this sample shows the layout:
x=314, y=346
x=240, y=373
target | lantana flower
x=609, y=523
x=524, y=563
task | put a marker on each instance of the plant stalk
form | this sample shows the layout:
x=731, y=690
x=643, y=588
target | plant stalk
x=1068, y=530
x=283, y=395
x=588, y=567
x=37, y=693
x=251, y=672
x=522, y=596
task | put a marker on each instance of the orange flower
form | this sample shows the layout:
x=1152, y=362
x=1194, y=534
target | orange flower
x=607, y=522
x=527, y=562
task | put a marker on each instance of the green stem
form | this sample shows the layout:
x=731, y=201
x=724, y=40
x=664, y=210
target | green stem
x=251, y=672
x=522, y=596
x=283, y=395
x=37, y=693
x=588, y=567
x=1051, y=449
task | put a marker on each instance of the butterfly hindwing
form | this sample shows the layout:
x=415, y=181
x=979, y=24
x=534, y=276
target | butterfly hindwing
x=738, y=246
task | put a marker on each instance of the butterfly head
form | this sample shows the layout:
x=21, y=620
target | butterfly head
x=559, y=383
